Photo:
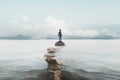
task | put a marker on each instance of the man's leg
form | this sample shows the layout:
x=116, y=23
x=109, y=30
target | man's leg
x=60, y=38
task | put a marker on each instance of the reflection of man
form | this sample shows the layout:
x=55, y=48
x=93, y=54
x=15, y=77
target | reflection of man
x=60, y=35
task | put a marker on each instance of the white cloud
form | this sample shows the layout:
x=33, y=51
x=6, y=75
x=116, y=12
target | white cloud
x=55, y=23
x=13, y=22
x=109, y=33
x=86, y=33
x=89, y=33
x=50, y=26
x=25, y=18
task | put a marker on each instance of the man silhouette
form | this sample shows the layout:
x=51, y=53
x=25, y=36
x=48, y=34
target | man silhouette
x=60, y=35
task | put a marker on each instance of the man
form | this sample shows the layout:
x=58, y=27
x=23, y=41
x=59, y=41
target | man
x=60, y=35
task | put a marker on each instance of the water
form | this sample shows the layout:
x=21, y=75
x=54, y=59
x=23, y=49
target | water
x=92, y=59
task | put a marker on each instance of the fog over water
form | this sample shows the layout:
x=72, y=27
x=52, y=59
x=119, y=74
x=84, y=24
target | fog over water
x=92, y=59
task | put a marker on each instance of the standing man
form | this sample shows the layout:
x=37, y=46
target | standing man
x=60, y=35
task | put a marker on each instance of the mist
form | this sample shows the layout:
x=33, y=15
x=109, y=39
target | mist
x=48, y=28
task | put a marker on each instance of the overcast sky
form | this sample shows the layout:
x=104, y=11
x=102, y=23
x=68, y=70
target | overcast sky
x=45, y=17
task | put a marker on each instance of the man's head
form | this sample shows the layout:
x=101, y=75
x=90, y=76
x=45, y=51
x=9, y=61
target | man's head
x=60, y=30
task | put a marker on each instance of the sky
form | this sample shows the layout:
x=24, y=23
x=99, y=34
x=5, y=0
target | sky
x=41, y=18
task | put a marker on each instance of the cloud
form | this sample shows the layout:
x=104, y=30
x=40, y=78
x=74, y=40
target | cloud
x=23, y=25
x=109, y=33
x=13, y=22
x=89, y=33
x=86, y=33
x=25, y=18
x=54, y=22
x=20, y=25
x=49, y=27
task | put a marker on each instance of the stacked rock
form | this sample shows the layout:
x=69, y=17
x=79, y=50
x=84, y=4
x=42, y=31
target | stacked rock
x=54, y=67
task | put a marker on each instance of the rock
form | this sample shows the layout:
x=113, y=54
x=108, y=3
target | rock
x=72, y=76
x=66, y=76
x=59, y=43
x=51, y=50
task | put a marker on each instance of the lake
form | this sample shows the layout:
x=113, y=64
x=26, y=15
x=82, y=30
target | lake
x=92, y=59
